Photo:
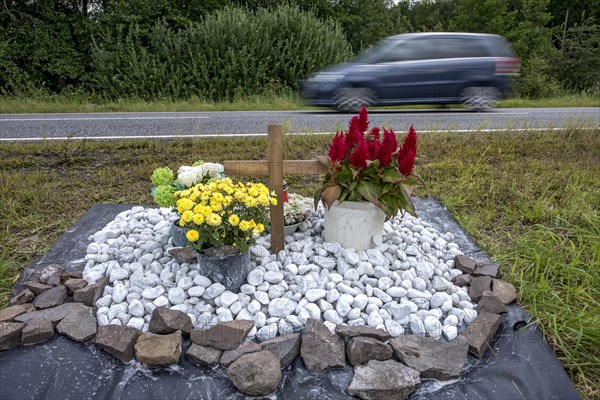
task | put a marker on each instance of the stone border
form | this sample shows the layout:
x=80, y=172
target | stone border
x=61, y=300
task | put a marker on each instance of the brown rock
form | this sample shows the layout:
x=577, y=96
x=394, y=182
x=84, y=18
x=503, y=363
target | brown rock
x=436, y=359
x=462, y=280
x=36, y=287
x=481, y=332
x=37, y=332
x=256, y=374
x=54, y=280
x=54, y=314
x=10, y=334
x=91, y=293
x=479, y=285
x=504, y=290
x=465, y=264
x=321, y=350
x=73, y=274
x=203, y=355
x=25, y=296
x=383, y=380
x=10, y=313
x=73, y=285
x=156, y=349
x=79, y=325
x=223, y=336
x=491, y=270
x=165, y=321
x=118, y=341
x=229, y=356
x=286, y=347
x=361, y=349
x=491, y=303
x=51, y=298
x=352, y=331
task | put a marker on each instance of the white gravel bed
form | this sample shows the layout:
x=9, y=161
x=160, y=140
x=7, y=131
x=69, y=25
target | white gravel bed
x=403, y=285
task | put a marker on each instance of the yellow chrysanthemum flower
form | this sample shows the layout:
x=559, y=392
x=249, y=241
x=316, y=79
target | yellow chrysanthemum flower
x=263, y=200
x=244, y=225
x=252, y=223
x=273, y=201
x=206, y=211
x=253, y=191
x=213, y=220
x=263, y=190
x=217, y=198
x=250, y=202
x=234, y=220
x=187, y=216
x=198, y=219
x=192, y=235
x=260, y=228
x=184, y=204
x=216, y=207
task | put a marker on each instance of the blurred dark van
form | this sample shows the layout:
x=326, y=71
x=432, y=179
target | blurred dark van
x=419, y=68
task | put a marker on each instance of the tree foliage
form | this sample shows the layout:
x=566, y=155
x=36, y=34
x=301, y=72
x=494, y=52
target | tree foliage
x=225, y=48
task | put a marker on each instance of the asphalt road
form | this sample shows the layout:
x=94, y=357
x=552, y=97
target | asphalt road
x=15, y=127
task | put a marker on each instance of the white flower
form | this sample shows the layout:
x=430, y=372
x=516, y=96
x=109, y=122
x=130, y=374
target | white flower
x=213, y=169
x=189, y=176
x=186, y=176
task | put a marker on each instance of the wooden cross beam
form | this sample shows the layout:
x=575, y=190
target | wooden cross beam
x=275, y=167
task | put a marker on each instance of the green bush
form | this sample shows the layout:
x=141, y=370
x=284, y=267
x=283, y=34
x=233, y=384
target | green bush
x=231, y=53
x=536, y=81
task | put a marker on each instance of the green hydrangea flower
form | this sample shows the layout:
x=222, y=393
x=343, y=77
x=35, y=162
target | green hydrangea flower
x=162, y=176
x=163, y=195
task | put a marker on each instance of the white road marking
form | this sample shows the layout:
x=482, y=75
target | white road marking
x=95, y=118
x=210, y=135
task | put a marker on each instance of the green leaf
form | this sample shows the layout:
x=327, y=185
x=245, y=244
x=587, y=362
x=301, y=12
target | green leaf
x=408, y=204
x=344, y=176
x=371, y=193
x=392, y=175
x=317, y=198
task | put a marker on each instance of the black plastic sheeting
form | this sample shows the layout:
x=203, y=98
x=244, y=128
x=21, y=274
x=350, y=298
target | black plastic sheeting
x=519, y=365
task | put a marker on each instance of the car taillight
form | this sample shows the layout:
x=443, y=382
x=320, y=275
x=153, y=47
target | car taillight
x=508, y=66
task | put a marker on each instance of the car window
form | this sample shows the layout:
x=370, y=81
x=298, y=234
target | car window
x=413, y=49
x=461, y=47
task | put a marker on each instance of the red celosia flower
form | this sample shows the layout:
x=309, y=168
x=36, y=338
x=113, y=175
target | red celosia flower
x=374, y=149
x=363, y=121
x=388, y=147
x=406, y=163
x=406, y=154
x=354, y=137
x=375, y=133
x=338, y=148
x=358, y=159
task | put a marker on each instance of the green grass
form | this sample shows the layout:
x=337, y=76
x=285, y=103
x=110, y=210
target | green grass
x=288, y=101
x=531, y=200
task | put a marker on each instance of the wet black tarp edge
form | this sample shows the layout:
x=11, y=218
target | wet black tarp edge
x=519, y=365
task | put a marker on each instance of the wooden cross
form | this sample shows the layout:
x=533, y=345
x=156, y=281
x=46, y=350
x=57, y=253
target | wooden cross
x=275, y=167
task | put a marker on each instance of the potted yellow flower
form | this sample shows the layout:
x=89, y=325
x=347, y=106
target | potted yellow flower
x=223, y=218
x=165, y=183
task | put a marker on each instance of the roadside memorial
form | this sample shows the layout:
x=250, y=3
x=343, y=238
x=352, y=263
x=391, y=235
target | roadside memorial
x=309, y=310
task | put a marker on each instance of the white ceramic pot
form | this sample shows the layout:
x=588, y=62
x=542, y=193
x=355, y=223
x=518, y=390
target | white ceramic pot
x=353, y=224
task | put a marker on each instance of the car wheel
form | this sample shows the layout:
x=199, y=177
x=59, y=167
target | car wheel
x=480, y=97
x=353, y=99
